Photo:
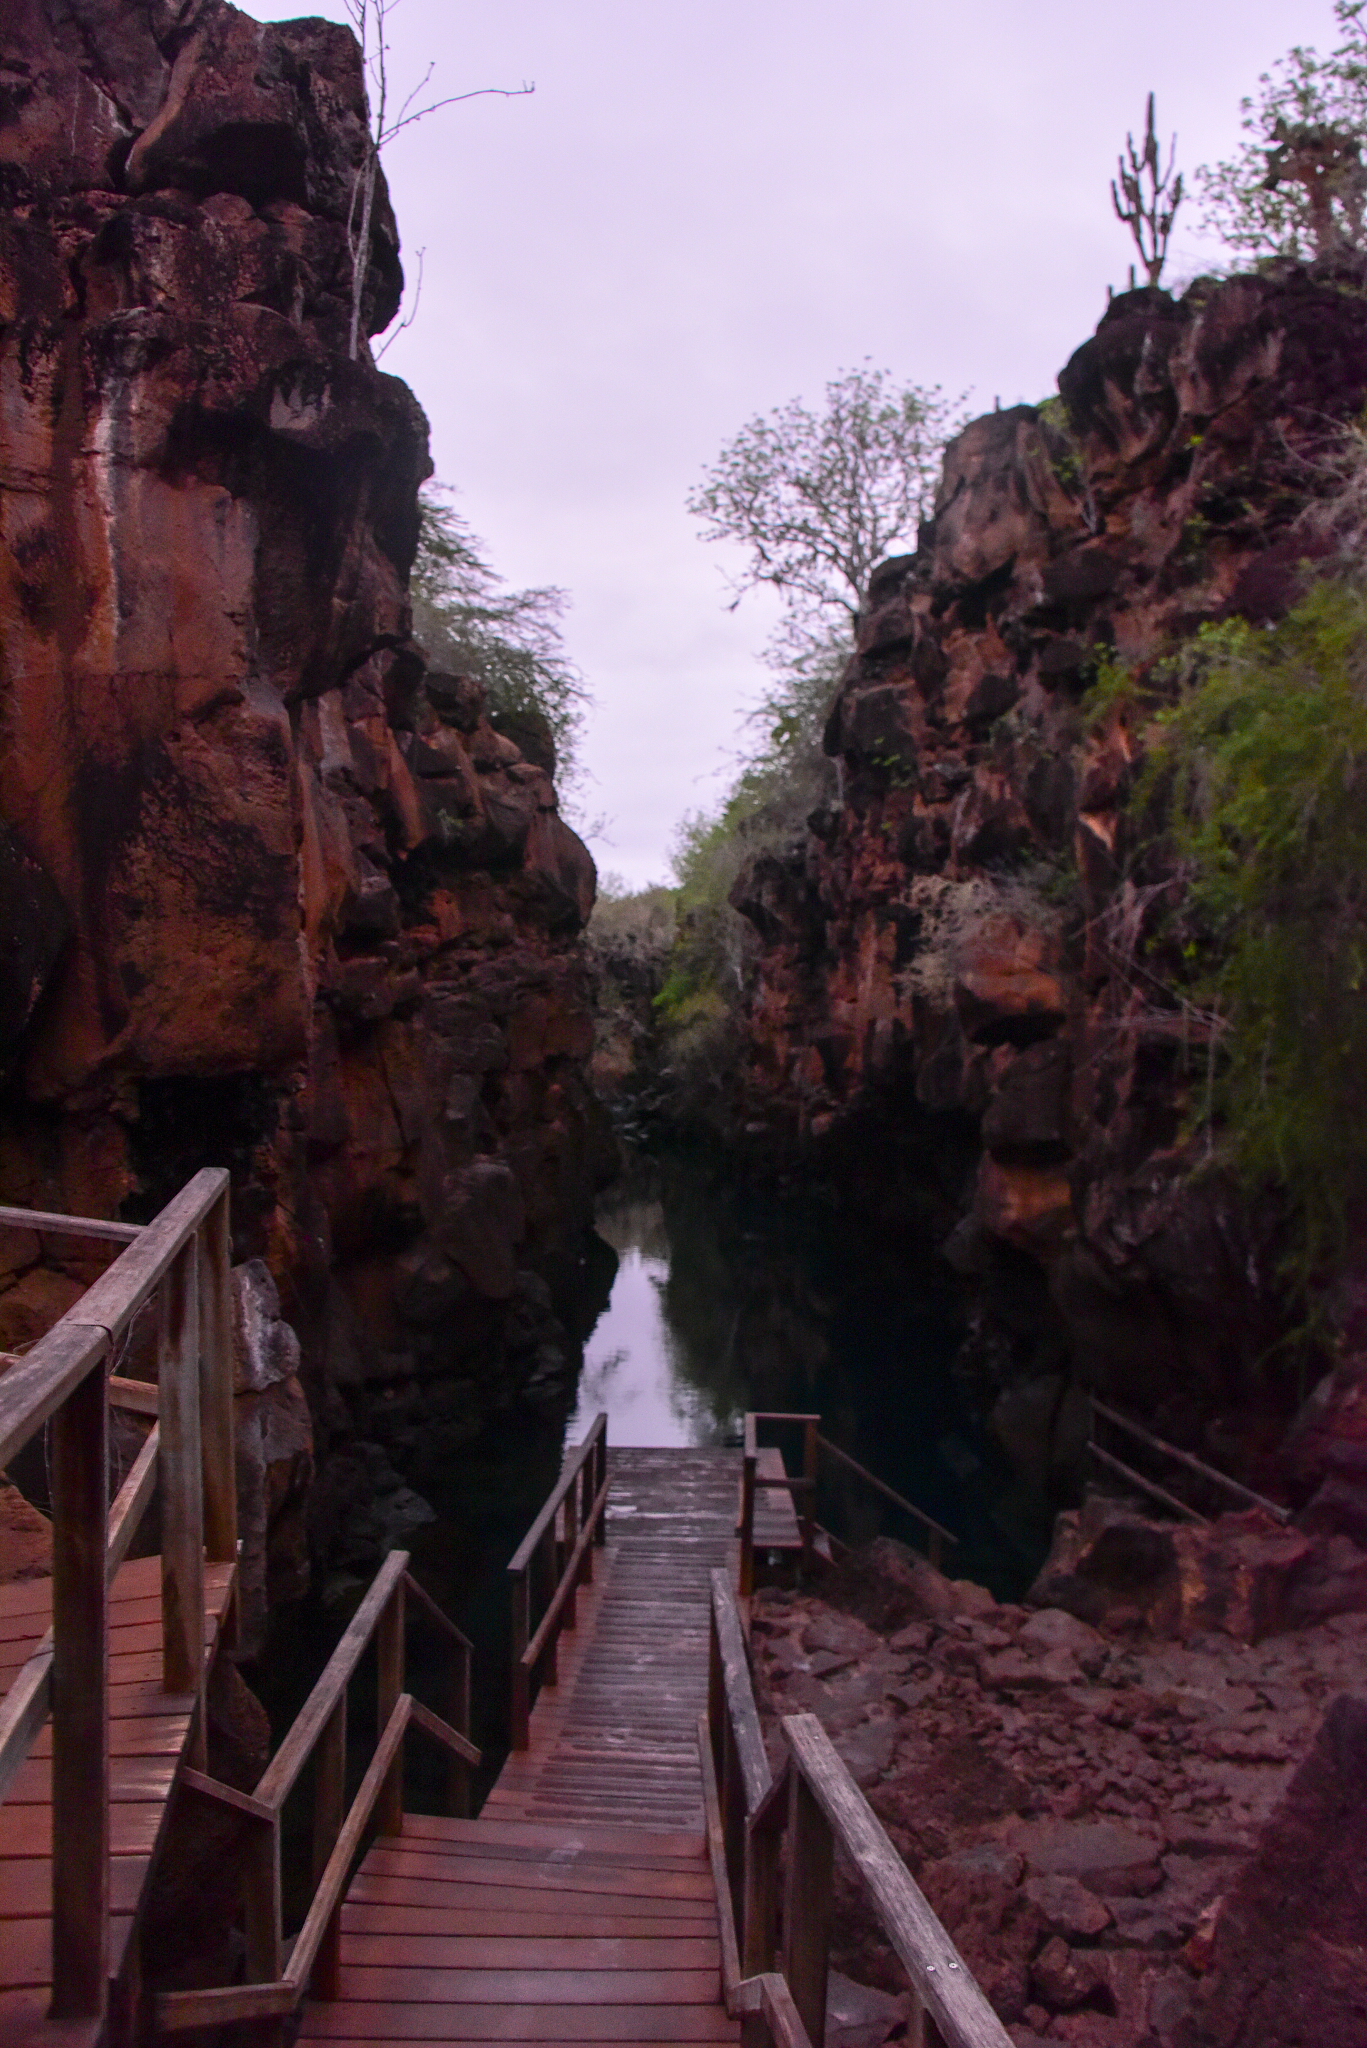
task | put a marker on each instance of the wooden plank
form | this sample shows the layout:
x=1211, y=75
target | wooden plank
x=529, y=1986
x=78, y=1819
x=139, y=1397
x=415, y=1914
x=524, y=1953
x=937, y=1971
x=596, y=1879
x=591, y=1839
x=547, y=2023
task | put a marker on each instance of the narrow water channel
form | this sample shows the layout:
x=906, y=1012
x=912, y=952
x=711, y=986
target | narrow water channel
x=724, y=1298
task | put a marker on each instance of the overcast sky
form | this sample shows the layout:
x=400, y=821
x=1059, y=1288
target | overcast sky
x=707, y=209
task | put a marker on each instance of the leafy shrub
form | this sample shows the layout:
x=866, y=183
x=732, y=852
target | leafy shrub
x=1262, y=762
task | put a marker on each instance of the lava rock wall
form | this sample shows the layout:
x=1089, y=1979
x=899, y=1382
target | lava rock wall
x=952, y=998
x=273, y=896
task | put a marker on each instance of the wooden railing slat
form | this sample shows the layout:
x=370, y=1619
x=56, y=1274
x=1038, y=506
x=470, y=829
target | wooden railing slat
x=24, y=1710
x=115, y=1298
x=564, y=1591
x=740, y=1697
x=294, y=1752
x=527, y=1548
x=71, y=1226
x=79, y=1469
x=131, y=1502
x=1193, y=1464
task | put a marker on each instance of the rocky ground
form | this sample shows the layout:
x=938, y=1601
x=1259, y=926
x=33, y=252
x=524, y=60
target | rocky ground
x=1126, y=1836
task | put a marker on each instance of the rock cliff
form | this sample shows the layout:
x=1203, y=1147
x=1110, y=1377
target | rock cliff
x=953, y=1000
x=274, y=896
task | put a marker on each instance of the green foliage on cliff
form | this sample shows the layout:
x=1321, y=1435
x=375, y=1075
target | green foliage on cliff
x=508, y=640
x=1261, y=763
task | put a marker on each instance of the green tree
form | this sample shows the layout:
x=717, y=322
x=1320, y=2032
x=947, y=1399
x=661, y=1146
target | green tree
x=1261, y=769
x=508, y=640
x=1296, y=186
x=818, y=499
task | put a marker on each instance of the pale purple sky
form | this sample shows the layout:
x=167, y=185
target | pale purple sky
x=707, y=209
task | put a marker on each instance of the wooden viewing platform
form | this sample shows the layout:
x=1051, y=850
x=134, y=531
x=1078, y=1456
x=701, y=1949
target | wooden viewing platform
x=622, y=1882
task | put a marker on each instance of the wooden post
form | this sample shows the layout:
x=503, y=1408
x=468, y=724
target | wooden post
x=458, y=1771
x=79, y=1455
x=389, y=1660
x=182, y=1498
x=216, y=1384
x=261, y=1903
x=329, y=1811
x=747, y=1524
x=586, y=1500
x=550, y=1579
x=571, y=1538
x=599, y=1462
x=809, y=1448
x=807, y=1907
x=519, y=1678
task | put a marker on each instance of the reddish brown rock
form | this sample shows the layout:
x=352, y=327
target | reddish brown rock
x=1288, y=1958
x=951, y=1000
x=273, y=897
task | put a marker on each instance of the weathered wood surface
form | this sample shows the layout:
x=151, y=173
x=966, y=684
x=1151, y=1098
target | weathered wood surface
x=519, y=1932
x=148, y=1735
x=615, y=1738
x=776, y=1525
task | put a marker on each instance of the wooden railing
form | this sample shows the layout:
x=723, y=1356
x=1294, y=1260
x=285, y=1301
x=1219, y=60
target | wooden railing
x=803, y=1488
x=277, y=1983
x=776, y=1913
x=1212, y=1478
x=552, y=1561
x=64, y=1380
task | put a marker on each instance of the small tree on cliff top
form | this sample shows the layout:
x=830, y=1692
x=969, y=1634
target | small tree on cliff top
x=1297, y=186
x=370, y=20
x=508, y=640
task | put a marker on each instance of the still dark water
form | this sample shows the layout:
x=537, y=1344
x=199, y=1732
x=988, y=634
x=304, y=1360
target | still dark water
x=724, y=1298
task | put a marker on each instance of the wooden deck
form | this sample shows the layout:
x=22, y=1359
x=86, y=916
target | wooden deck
x=149, y=1732
x=580, y=1905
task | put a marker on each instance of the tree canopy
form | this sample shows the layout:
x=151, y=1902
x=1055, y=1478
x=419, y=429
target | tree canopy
x=508, y=640
x=1296, y=186
x=818, y=498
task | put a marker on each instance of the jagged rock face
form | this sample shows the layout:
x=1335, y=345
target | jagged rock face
x=274, y=897
x=952, y=960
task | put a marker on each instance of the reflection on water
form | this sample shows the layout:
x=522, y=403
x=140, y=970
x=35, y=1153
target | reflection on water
x=727, y=1299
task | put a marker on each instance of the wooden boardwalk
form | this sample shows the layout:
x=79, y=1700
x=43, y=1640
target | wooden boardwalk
x=580, y=1905
x=149, y=1733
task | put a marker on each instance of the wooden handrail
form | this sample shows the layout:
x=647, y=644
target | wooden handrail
x=62, y=1381
x=570, y=1471
x=1149, y=1486
x=813, y=1798
x=181, y=2011
x=827, y=1808
x=1193, y=1464
x=889, y=1493
x=278, y=1779
x=70, y=1226
x=558, y=1550
x=803, y=1487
